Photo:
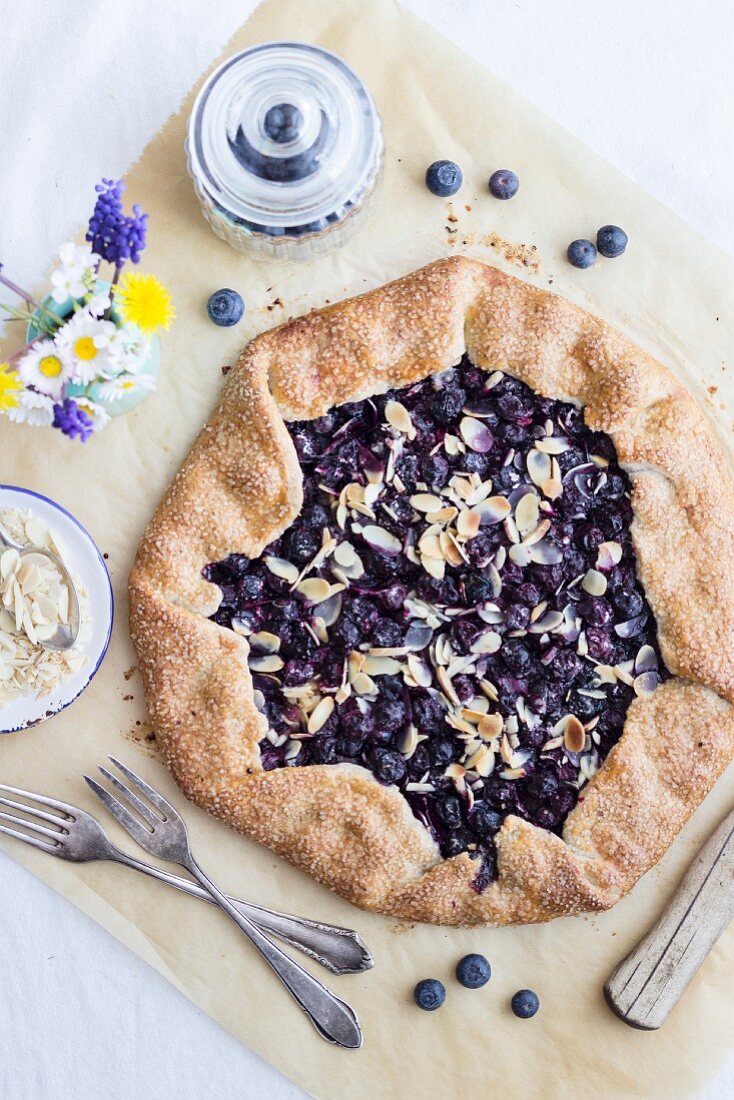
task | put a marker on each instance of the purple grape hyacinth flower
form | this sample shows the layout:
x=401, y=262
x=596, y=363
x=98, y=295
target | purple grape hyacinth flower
x=113, y=235
x=72, y=421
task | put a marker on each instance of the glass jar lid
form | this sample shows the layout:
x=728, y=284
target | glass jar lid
x=284, y=136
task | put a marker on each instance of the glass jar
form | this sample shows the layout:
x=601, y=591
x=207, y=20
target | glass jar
x=284, y=146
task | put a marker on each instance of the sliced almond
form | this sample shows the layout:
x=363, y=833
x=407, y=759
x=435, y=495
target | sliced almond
x=372, y=493
x=265, y=642
x=487, y=688
x=552, y=445
x=362, y=684
x=286, y=570
x=419, y=671
x=381, y=540
x=527, y=513
x=381, y=666
x=623, y=672
x=482, y=761
x=468, y=523
x=320, y=714
x=451, y=549
x=608, y=554
x=490, y=726
x=646, y=684
x=539, y=466
x=426, y=502
x=434, y=567
x=443, y=515
x=331, y=609
x=494, y=509
x=552, y=487
x=455, y=771
x=314, y=589
x=594, y=582
x=269, y=663
x=487, y=642
x=481, y=492
x=545, y=553
x=462, y=486
x=475, y=434
x=408, y=740
x=446, y=686
x=398, y=417
x=519, y=553
x=574, y=734
x=430, y=547
x=646, y=659
x=511, y=530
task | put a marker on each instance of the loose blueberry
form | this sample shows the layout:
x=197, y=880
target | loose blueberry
x=225, y=307
x=611, y=241
x=473, y=971
x=581, y=253
x=443, y=178
x=525, y=1003
x=503, y=184
x=429, y=994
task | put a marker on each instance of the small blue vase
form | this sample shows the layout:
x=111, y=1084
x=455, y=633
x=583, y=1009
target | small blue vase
x=151, y=366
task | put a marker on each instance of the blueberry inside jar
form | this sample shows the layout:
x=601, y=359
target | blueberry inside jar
x=456, y=608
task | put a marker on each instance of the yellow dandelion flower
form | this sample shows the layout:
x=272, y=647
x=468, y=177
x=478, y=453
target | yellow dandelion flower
x=10, y=387
x=142, y=300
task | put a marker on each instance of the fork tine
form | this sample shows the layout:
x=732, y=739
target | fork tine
x=27, y=809
x=53, y=833
x=157, y=799
x=137, y=831
x=145, y=811
x=52, y=848
x=54, y=803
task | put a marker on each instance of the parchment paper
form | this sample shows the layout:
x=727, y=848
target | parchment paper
x=670, y=292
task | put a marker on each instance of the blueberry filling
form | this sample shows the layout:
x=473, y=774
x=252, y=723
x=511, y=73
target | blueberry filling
x=456, y=608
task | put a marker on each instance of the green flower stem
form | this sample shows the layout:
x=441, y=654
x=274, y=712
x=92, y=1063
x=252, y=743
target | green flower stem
x=18, y=290
x=113, y=284
x=42, y=317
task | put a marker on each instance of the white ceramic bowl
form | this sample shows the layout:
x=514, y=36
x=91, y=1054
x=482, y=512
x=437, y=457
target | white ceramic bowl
x=85, y=560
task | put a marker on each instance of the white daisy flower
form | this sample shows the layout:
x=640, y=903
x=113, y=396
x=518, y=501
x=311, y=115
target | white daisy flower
x=83, y=341
x=128, y=349
x=100, y=417
x=125, y=384
x=97, y=304
x=33, y=408
x=44, y=368
x=75, y=276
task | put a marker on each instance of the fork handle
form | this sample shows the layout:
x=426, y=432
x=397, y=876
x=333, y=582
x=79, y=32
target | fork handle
x=332, y=1017
x=340, y=950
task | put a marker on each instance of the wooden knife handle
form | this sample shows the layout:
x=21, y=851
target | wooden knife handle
x=648, y=983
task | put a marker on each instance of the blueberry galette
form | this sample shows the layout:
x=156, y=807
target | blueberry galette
x=440, y=605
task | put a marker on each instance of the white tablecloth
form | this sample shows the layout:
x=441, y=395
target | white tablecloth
x=82, y=89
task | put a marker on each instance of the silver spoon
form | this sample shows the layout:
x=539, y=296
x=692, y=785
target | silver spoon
x=67, y=633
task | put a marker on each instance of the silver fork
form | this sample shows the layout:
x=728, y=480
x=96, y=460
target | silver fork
x=76, y=836
x=164, y=835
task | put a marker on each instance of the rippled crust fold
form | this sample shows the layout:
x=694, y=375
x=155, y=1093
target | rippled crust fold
x=240, y=487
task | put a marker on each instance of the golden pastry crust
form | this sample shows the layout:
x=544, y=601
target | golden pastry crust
x=240, y=488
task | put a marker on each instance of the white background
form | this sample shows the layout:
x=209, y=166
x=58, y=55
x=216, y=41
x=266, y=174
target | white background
x=83, y=87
